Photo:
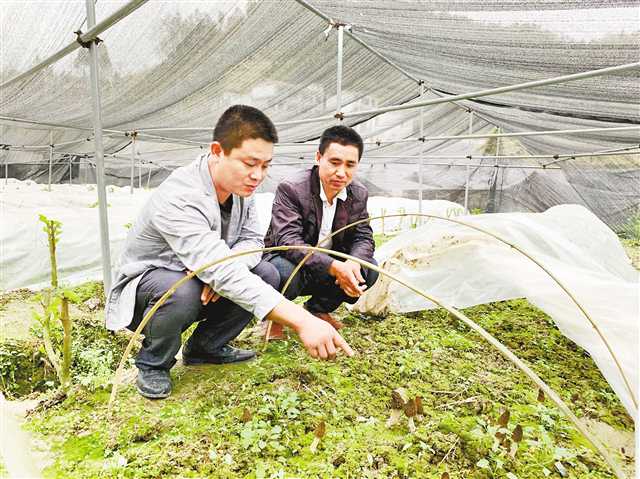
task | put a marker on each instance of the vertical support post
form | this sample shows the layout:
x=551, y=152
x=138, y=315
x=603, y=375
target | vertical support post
x=491, y=205
x=421, y=160
x=133, y=160
x=339, y=70
x=4, y=152
x=466, y=190
x=70, y=169
x=149, y=176
x=466, y=184
x=99, y=153
x=50, y=159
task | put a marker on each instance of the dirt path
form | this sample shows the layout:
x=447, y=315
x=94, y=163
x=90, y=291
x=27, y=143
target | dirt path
x=16, y=445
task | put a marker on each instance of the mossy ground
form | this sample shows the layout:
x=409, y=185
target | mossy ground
x=465, y=385
x=200, y=430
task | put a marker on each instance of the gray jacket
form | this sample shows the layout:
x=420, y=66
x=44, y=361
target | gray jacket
x=178, y=229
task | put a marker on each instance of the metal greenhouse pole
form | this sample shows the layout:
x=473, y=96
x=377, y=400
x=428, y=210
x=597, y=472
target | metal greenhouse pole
x=466, y=184
x=355, y=38
x=141, y=136
x=339, y=71
x=420, y=161
x=99, y=157
x=50, y=159
x=133, y=161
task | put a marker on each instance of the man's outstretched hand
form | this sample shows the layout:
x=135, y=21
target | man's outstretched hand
x=320, y=339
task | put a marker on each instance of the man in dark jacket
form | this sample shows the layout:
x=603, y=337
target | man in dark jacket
x=309, y=207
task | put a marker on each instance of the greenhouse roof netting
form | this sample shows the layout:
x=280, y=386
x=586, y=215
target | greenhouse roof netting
x=169, y=69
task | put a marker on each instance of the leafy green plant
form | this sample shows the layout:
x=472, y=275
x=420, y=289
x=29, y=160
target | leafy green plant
x=55, y=305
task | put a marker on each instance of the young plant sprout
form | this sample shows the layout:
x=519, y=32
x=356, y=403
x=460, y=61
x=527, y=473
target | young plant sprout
x=319, y=433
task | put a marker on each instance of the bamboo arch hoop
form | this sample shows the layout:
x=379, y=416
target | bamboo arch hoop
x=471, y=324
x=502, y=240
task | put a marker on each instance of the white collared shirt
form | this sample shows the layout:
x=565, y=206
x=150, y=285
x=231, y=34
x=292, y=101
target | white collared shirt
x=328, y=213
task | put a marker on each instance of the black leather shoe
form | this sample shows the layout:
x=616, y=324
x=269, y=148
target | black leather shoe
x=226, y=354
x=154, y=383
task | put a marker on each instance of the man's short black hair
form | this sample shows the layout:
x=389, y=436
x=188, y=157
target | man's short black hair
x=343, y=135
x=242, y=122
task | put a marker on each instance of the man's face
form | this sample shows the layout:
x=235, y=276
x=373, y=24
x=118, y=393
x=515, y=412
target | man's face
x=337, y=167
x=242, y=170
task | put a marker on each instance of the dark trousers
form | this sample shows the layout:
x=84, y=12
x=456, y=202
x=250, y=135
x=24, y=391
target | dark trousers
x=220, y=321
x=326, y=296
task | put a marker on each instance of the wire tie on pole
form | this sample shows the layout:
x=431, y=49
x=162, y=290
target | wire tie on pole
x=84, y=44
x=422, y=139
x=328, y=30
x=339, y=115
x=555, y=157
x=468, y=157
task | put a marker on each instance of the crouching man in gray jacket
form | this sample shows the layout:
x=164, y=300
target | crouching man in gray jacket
x=203, y=212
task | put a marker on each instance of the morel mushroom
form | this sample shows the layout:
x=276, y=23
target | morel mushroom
x=319, y=433
x=398, y=399
x=419, y=408
x=246, y=415
x=410, y=411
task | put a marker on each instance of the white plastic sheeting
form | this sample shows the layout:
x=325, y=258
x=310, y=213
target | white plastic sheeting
x=24, y=257
x=24, y=253
x=463, y=267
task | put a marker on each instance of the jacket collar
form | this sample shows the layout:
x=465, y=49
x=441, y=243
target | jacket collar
x=202, y=165
x=205, y=175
